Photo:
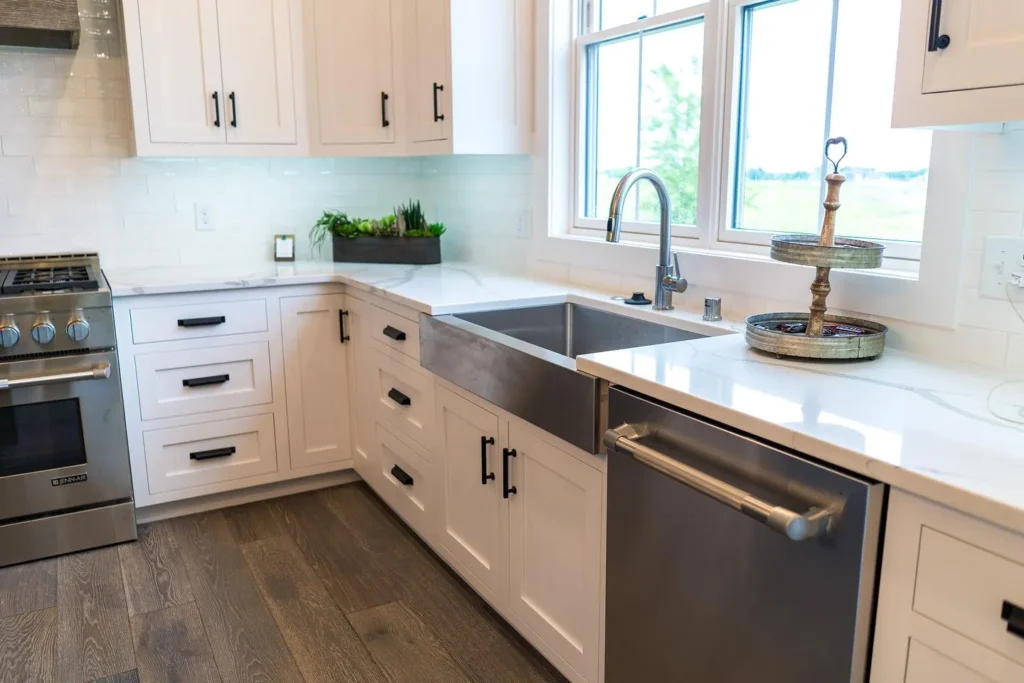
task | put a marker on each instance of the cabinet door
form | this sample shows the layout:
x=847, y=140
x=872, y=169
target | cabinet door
x=256, y=59
x=360, y=373
x=354, y=83
x=427, y=43
x=316, y=380
x=986, y=41
x=473, y=527
x=555, y=519
x=181, y=55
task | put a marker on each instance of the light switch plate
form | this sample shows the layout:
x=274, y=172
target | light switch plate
x=204, y=218
x=1004, y=258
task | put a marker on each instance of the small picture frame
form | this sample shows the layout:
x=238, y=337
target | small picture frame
x=284, y=247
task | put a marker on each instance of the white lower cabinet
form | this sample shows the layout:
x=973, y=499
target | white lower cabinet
x=316, y=379
x=360, y=376
x=530, y=539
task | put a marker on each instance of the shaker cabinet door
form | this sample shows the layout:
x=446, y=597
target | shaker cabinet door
x=427, y=44
x=360, y=378
x=181, y=56
x=256, y=59
x=316, y=380
x=985, y=44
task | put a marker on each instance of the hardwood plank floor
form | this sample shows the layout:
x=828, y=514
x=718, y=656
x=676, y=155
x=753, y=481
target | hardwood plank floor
x=93, y=635
x=316, y=588
x=154, y=571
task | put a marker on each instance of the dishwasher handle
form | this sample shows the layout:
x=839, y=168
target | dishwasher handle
x=814, y=523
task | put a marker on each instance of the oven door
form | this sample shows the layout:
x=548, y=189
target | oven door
x=63, y=442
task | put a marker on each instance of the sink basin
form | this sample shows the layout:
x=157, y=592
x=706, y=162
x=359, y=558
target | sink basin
x=523, y=360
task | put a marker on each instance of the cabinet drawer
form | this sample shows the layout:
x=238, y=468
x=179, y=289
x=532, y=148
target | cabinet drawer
x=963, y=587
x=403, y=481
x=214, y=319
x=405, y=399
x=210, y=453
x=203, y=380
x=397, y=332
x=925, y=665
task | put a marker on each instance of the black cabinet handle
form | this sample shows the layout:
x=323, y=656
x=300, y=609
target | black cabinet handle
x=384, y=110
x=215, y=453
x=202, y=322
x=205, y=381
x=399, y=398
x=1014, y=618
x=216, y=109
x=234, y=110
x=341, y=325
x=936, y=41
x=506, y=453
x=394, y=333
x=485, y=441
x=437, y=115
x=401, y=475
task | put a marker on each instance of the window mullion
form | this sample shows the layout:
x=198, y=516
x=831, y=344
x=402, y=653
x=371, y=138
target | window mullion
x=639, y=118
x=829, y=90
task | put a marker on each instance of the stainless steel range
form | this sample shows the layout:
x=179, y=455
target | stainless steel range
x=65, y=480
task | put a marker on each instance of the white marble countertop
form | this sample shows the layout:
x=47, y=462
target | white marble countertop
x=953, y=434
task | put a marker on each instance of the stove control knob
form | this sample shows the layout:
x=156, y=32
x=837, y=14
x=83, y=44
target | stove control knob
x=78, y=329
x=43, y=332
x=9, y=335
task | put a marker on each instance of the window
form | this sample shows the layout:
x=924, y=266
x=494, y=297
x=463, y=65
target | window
x=748, y=145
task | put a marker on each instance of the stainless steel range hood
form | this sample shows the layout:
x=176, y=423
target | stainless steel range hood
x=40, y=23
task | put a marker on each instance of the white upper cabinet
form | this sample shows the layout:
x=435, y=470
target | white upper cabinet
x=213, y=77
x=349, y=52
x=258, y=76
x=427, y=41
x=960, y=62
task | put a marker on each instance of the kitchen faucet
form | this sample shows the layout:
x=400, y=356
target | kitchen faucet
x=667, y=277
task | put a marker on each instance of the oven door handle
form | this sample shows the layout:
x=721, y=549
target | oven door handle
x=99, y=371
x=814, y=523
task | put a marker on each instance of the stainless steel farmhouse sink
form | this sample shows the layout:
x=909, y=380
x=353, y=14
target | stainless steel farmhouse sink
x=523, y=360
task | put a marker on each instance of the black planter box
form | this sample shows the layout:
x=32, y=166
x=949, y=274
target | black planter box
x=421, y=251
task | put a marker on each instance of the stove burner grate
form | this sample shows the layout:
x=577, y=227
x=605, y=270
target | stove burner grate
x=51, y=279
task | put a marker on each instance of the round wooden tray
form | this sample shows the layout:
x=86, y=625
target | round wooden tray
x=859, y=339
x=804, y=250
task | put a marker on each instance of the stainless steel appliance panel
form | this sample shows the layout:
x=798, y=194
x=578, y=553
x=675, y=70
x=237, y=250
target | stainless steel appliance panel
x=698, y=590
x=61, y=418
x=67, y=533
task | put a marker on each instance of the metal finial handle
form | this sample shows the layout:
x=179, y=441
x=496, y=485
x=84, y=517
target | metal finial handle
x=828, y=147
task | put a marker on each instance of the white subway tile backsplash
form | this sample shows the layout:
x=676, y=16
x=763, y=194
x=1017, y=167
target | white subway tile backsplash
x=47, y=146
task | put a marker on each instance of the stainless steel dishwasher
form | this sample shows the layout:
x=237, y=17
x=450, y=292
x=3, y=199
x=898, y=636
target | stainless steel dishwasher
x=732, y=560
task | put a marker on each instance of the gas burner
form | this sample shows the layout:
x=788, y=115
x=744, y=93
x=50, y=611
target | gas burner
x=75, y=278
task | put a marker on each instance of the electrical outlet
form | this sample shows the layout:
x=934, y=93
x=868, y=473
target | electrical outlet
x=204, y=218
x=524, y=225
x=1002, y=269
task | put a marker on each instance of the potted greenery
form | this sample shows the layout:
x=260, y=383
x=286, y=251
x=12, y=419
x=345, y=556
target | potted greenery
x=403, y=237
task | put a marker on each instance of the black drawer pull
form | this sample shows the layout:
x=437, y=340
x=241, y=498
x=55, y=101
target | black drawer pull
x=394, y=333
x=341, y=325
x=202, y=322
x=234, y=110
x=485, y=476
x=438, y=116
x=205, y=381
x=384, y=110
x=507, y=490
x=216, y=109
x=936, y=39
x=1014, y=618
x=215, y=453
x=401, y=475
x=399, y=398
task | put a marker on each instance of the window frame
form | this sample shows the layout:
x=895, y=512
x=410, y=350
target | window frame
x=720, y=112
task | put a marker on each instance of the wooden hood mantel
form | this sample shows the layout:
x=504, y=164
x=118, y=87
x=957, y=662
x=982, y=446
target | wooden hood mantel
x=40, y=23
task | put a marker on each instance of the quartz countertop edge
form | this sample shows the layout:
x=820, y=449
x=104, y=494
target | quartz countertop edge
x=930, y=428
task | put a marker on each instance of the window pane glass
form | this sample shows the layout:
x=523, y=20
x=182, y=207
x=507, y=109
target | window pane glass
x=886, y=170
x=662, y=115
x=781, y=133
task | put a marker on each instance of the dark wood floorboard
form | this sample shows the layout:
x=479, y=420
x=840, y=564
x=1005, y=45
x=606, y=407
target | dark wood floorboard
x=404, y=647
x=171, y=646
x=154, y=571
x=93, y=635
x=245, y=640
x=322, y=640
x=28, y=587
x=28, y=647
x=319, y=587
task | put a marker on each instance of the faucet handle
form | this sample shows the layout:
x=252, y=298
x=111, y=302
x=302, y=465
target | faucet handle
x=676, y=281
x=675, y=261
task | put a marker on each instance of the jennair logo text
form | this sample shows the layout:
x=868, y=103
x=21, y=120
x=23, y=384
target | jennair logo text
x=64, y=481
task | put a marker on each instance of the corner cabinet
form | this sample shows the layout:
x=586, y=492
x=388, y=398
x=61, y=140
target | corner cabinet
x=959, y=63
x=213, y=77
x=316, y=338
x=522, y=520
